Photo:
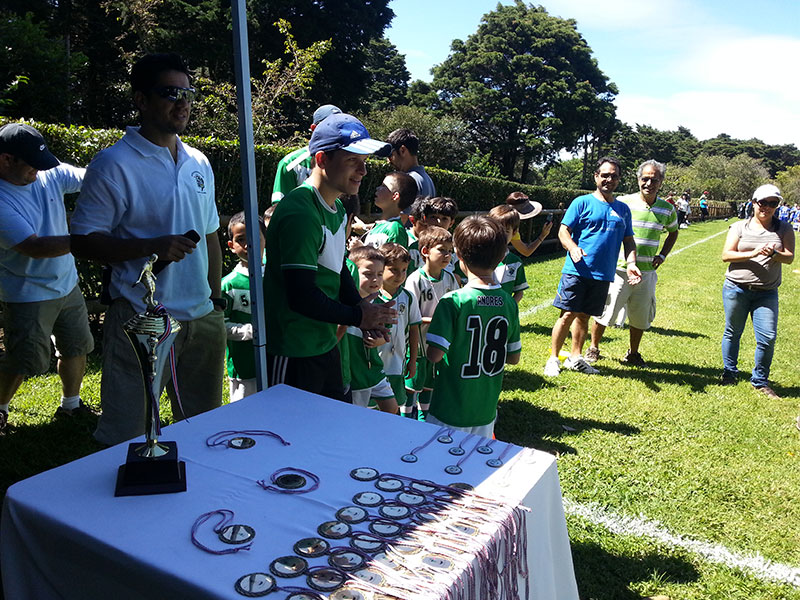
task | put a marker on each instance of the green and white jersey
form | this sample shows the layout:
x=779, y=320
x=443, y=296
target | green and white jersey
x=649, y=222
x=416, y=257
x=393, y=354
x=477, y=327
x=391, y=230
x=427, y=292
x=510, y=274
x=305, y=233
x=239, y=354
x=293, y=169
x=366, y=366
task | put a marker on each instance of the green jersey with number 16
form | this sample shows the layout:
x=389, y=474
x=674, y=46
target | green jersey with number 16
x=477, y=327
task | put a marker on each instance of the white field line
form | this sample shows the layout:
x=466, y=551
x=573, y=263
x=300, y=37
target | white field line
x=755, y=564
x=533, y=310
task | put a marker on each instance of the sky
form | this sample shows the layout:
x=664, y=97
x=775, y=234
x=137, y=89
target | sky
x=713, y=66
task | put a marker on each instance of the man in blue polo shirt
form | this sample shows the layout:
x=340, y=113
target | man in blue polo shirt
x=591, y=232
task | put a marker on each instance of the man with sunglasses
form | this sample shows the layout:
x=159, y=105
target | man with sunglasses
x=591, y=232
x=152, y=194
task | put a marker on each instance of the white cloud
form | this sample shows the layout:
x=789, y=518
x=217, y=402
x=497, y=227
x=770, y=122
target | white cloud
x=740, y=114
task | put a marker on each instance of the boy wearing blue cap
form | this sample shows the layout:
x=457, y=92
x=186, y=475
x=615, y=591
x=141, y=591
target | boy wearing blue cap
x=307, y=288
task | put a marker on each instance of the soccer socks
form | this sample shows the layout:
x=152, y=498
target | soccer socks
x=70, y=403
x=424, y=403
x=408, y=409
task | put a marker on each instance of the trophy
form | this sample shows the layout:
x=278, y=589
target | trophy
x=152, y=467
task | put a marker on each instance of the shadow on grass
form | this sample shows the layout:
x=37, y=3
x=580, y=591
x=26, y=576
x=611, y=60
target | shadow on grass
x=659, y=373
x=603, y=575
x=677, y=333
x=526, y=424
x=536, y=328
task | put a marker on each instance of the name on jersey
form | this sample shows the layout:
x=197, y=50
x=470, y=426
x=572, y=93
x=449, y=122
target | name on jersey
x=490, y=301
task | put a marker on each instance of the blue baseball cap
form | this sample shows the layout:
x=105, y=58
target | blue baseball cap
x=341, y=131
x=325, y=111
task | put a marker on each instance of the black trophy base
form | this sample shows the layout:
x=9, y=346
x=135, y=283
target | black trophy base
x=143, y=476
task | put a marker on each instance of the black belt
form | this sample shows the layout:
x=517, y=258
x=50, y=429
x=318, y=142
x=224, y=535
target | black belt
x=750, y=287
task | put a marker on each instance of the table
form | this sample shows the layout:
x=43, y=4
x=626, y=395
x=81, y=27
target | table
x=65, y=535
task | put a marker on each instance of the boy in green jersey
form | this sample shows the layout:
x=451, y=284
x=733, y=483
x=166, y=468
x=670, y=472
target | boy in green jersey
x=439, y=211
x=404, y=335
x=239, y=354
x=308, y=290
x=474, y=334
x=393, y=196
x=367, y=379
x=428, y=285
x=510, y=273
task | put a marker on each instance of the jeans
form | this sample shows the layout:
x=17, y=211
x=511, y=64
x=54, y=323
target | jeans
x=762, y=306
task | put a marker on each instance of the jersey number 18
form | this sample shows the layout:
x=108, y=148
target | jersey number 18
x=487, y=346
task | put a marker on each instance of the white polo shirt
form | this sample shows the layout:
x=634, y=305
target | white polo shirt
x=136, y=190
x=36, y=208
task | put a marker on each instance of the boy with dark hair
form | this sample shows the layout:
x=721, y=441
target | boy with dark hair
x=307, y=288
x=403, y=348
x=405, y=147
x=440, y=212
x=239, y=354
x=367, y=379
x=428, y=285
x=510, y=273
x=474, y=334
x=395, y=194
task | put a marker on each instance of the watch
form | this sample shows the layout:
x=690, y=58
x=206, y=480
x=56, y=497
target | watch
x=220, y=302
x=662, y=257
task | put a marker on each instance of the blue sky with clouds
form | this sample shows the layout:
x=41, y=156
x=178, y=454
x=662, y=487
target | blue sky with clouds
x=713, y=66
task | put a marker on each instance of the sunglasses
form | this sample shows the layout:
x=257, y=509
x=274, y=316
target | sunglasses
x=174, y=93
x=768, y=203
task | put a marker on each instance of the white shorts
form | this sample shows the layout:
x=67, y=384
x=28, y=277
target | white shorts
x=381, y=391
x=486, y=431
x=639, y=300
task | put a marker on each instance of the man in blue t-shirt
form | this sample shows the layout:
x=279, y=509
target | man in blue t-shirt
x=591, y=231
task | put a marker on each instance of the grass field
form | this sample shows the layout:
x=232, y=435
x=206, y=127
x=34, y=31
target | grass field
x=667, y=444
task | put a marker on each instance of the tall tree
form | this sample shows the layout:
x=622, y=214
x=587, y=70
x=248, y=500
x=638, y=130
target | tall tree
x=388, y=76
x=523, y=81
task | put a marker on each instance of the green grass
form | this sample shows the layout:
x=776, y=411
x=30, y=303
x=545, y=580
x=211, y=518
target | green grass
x=713, y=463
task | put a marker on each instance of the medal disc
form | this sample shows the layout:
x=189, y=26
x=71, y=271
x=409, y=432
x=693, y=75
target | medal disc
x=364, y=473
x=288, y=566
x=409, y=458
x=494, y=463
x=255, y=585
x=237, y=534
x=453, y=470
x=241, y=443
x=444, y=439
x=456, y=451
x=311, y=547
x=485, y=450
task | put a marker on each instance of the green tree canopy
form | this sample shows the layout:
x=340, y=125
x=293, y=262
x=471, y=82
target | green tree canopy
x=388, y=76
x=526, y=82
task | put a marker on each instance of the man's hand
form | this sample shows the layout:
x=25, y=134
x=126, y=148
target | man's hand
x=634, y=274
x=577, y=254
x=657, y=261
x=172, y=247
x=375, y=317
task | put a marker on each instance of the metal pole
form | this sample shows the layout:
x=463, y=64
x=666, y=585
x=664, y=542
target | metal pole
x=254, y=258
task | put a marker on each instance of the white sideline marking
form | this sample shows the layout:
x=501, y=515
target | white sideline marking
x=757, y=565
x=547, y=303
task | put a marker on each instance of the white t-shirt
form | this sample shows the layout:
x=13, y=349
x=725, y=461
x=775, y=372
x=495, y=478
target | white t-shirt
x=136, y=190
x=36, y=209
x=393, y=354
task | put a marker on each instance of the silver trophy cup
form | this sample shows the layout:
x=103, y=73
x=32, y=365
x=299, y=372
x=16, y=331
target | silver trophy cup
x=151, y=467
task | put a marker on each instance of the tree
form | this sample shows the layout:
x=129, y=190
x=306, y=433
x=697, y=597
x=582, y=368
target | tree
x=566, y=174
x=388, y=76
x=445, y=141
x=788, y=181
x=727, y=179
x=527, y=84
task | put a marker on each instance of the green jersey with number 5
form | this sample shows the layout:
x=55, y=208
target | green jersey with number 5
x=477, y=327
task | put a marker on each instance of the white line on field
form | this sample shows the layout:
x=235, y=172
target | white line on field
x=545, y=304
x=757, y=565
x=711, y=237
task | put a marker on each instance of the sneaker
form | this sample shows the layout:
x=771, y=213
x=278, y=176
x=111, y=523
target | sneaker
x=767, y=391
x=729, y=379
x=579, y=364
x=552, y=367
x=592, y=355
x=3, y=422
x=634, y=359
x=80, y=411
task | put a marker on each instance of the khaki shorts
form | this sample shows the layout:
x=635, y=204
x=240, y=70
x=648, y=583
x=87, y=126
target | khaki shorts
x=29, y=325
x=639, y=300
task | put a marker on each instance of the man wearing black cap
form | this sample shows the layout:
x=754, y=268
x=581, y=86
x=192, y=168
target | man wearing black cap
x=308, y=290
x=38, y=281
x=295, y=167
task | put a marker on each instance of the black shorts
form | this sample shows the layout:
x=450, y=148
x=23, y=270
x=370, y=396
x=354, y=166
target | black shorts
x=321, y=374
x=581, y=294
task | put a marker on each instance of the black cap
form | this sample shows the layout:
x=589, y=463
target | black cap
x=24, y=142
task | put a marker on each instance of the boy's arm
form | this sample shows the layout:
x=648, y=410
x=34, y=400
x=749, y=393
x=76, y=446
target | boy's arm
x=513, y=359
x=518, y=296
x=435, y=354
x=413, y=349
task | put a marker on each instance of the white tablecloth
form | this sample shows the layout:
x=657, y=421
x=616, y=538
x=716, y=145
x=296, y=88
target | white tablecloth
x=65, y=535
